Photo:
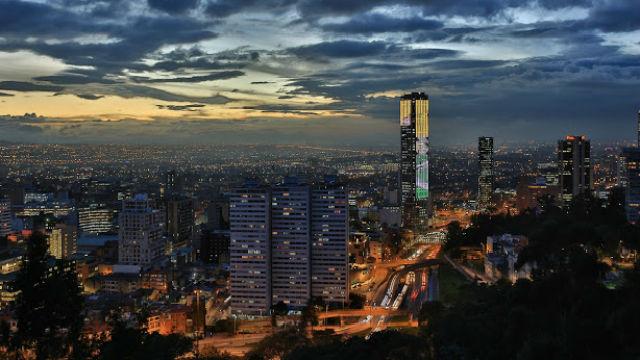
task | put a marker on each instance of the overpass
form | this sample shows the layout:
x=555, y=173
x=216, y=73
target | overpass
x=367, y=311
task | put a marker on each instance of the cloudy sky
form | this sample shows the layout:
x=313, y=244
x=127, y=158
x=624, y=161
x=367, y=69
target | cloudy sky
x=325, y=72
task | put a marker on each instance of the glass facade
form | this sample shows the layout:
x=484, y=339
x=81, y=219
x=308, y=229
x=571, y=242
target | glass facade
x=414, y=163
x=574, y=162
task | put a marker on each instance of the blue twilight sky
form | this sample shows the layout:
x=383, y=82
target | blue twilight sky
x=324, y=72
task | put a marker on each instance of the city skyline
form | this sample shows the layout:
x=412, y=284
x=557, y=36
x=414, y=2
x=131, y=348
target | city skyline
x=315, y=72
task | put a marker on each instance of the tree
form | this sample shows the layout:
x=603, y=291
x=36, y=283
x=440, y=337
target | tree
x=128, y=343
x=356, y=301
x=455, y=235
x=388, y=344
x=224, y=326
x=309, y=314
x=276, y=346
x=49, y=305
x=278, y=309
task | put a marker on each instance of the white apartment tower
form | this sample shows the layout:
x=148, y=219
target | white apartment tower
x=288, y=243
x=330, y=246
x=250, y=249
x=140, y=239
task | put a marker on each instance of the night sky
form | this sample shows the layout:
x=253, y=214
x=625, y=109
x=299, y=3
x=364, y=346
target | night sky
x=326, y=72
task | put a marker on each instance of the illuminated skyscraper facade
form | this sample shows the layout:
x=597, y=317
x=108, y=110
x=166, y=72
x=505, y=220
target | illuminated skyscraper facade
x=574, y=163
x=414, y=160
x=485, y=179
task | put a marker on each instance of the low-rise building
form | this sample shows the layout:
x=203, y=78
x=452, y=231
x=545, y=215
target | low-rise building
x=172, y=319
x=501, y=257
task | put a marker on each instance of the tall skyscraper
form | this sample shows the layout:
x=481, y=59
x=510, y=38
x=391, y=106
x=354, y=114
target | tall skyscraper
x=250, y=249
x=288, y=243
x=574, y=163
x=330, y=245
x=414, y=160
x=632, y=195
x=63, y=240
x=140, y=237
x=638, y=141
x=486, y=177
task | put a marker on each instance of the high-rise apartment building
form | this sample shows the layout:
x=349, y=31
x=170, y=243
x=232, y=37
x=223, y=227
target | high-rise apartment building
x=330, y=246
x=414, y=160
x=140, y=236
x=486, y=176
x=6, y=217
x=632, y=195
x=63, y=240
x=574, y=163
x=250, y=249
x=96, y=219
x=288, y=243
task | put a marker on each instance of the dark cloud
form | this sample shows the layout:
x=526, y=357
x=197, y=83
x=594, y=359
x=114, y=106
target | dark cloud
x=482, y=8
x=27, y=86
x=466, y=64
x=225, y=8
x=341, y=49
x=89, y=96
x=137, y=91
x=615, y=16
x=261, y=82
x=21, y=19
x=173, y=6
x=188, y=107
x=73, y=79
x=222, y=75
x=425, y=54
x=135, y=37
x=378, y=23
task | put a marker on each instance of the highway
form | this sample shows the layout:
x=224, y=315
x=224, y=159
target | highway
x=415, y=289
x=395, y=293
